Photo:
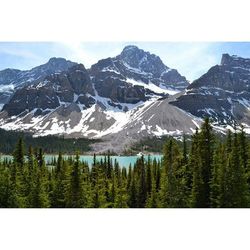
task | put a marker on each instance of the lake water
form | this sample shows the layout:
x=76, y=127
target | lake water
x=124, y=161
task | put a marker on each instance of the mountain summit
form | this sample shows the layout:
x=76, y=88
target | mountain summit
x=223, y=93
x=141, y=72
x=11, y=79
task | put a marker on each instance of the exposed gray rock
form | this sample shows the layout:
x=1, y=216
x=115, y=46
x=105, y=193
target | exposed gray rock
x=54, y=90
x=223, y=93
x=12, y=79
x=111, y=76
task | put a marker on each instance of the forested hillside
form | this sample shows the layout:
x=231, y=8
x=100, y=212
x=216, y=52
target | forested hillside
x=212, y=173
x=49, y=144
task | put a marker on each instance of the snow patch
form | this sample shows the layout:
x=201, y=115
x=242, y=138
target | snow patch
x=151, y=86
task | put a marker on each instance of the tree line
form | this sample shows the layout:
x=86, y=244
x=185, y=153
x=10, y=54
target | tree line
x=211, y=173
x=50, y=144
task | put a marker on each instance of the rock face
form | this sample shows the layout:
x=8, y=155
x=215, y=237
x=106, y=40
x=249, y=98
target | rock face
x=223, y=93
x=72, y=86
x=135, y=75
x=12, y=79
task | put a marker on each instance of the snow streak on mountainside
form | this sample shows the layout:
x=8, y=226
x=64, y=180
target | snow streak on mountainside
x=117, y=128
x=223, y=93
x=11, y=79
x=135, y=67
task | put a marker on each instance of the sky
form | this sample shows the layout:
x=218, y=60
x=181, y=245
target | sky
x=191, y=59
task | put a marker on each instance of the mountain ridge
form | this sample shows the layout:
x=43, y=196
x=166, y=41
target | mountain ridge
x=127, y=97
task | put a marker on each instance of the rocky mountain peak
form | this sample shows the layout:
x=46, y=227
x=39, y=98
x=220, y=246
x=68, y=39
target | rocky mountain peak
x=130, y=47
x=225, y=59
x=234, y=61
x=222, y=93
x=8, y=75
x=55, y=64
x=56, y=60
x=140, y=59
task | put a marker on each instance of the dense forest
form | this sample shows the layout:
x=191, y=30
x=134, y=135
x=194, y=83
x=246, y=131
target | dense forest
x=49, y=144
x=154, y=144
x=211, y=173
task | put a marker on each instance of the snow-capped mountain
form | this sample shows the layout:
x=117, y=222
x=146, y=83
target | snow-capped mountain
x=135, y=67
x=12, y=79
x=223, y=93
x=130, y=96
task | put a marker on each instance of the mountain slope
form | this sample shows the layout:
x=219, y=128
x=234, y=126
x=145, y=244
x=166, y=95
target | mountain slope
x=223, y=93
x=12, y=79
x=117, y=128
x=135, y=68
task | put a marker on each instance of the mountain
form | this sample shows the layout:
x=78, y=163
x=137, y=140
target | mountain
x=128, y=97
x=223, y=93
x=127, y=94
x=11, y=79
x=135, y=68
x=118, y=129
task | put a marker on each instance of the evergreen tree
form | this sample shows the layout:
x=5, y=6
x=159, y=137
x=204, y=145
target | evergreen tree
x=142, y=188
x=206, y=147
x=217, y=184
x=18, y=155
x=238, y=190
x=132, y=194
x=74, y=187
x=195, y=165
x=152, y=200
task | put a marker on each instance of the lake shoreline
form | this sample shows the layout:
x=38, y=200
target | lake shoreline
x=97, y=154
x=123, y=161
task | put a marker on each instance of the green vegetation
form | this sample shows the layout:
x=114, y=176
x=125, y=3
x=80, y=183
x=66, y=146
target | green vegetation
x=154, y=144
x=49, y=144
x=210, y=173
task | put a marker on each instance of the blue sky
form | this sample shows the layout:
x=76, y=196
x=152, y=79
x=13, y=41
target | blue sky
x=191, y=59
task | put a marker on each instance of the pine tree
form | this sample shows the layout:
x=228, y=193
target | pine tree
x=148, y=176
x=206, y=147
x=142, y=188
x=173, y=188
x=195, y=165
x=5, y=188
x=74, y=187
x=217, y=181
x=132, y=194
x=109, y=166
x=152, y=200
x=244, y=153
x=238, y=195
x=18, y=155
x=39, y=190
x=58, y=186
x=121, y=197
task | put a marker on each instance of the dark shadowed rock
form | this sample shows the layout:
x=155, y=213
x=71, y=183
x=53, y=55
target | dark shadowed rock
x=12, y=79
x=55, y=90
x=112, y=76
x=223, y=93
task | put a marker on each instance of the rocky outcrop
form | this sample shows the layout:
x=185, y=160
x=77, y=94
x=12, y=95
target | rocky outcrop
x=73, y=86
x=223, y=93
x=13, y=79
x=133, y=75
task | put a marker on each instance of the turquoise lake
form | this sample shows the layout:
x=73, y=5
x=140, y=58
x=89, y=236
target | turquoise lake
x=124, y=161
